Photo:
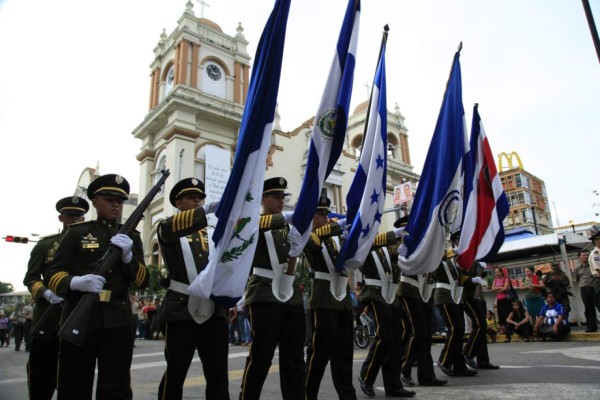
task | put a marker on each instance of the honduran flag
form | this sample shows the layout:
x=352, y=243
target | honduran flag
x=367, y=193
x=438, y=204
x=236, y=233
x=482, y=233
x=329, y=126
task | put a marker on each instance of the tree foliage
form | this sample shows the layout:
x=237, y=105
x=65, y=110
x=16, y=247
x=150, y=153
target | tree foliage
x=6, y=287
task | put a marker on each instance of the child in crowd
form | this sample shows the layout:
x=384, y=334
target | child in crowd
x=492, y=328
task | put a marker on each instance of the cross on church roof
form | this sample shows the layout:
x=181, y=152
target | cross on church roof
x=368, y=89
x=202, y=5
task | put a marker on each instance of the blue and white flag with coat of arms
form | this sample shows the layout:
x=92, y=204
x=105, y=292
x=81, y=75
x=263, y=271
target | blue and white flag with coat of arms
x=236, y=233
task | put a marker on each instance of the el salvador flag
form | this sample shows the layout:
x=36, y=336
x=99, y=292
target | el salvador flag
x=367, y=193
x=235, y=235
x=482, y=232
x=438, y=204
x=329, y=126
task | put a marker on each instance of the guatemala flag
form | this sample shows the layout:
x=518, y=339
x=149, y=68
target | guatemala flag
x=482, y=233
x=329, y=126
x=367, y=193
x=235, y=235
x=438, y=204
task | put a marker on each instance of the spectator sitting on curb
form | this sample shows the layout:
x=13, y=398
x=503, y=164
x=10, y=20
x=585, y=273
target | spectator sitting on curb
x=492, y=328
x=518, y=322
x=552, y=323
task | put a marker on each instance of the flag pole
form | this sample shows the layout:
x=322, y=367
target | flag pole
x=386, y=29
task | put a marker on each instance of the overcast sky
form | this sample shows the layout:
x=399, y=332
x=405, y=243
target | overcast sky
x=74, y=83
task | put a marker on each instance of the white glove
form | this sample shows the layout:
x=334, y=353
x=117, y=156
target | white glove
x=400, y=232
x=476, y=280
x=345, y=234
x=341, y=222
x=210, y=208
x=51, y=297
x=88, y=283
x=287, y=217
x=402, y=250
x=125, y=243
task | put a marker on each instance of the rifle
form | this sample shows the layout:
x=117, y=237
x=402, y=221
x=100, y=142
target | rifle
x=76, y=326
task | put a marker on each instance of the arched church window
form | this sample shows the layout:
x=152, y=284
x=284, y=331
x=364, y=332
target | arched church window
x=356, y=145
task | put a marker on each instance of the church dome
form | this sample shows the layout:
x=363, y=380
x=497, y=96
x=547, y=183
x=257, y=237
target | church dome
x=361, y=107
x=210, y=24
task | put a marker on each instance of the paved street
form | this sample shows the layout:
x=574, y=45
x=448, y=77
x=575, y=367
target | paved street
x=529, y=370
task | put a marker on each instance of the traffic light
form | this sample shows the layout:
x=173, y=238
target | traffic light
x=16, y=239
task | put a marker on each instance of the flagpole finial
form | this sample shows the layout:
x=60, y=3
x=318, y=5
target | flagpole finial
x=459, y=47
x=386, y=28
x=476, y=105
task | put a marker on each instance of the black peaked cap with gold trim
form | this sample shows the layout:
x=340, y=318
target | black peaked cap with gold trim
x=275, y=185
x=400, y=222
x=186, y=186
x=72, y=205
x=109, y=185
x=324, y=203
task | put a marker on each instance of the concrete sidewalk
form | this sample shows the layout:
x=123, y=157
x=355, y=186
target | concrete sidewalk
x=577, y=334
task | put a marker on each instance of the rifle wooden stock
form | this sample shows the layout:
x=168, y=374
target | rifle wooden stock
x=77, y=324
x=47, y=324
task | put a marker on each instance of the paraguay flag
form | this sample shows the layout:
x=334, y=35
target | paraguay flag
x=367, y=193
x=438, y=204
x=329, y=126
x=482, y=233
x=235, y=235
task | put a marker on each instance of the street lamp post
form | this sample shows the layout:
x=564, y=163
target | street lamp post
x=572, y=223
x=534, y=219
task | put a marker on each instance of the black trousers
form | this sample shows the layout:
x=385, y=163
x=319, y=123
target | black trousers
x=418, y=345
x=182, y=340
x=42, y=368
x=274, y=324
x=588, y=297
x=387, y=333
x=524, y=330
x=476, y=345
x=451, y=355
x=113, y=350
x=392, y=364
x=331, y=341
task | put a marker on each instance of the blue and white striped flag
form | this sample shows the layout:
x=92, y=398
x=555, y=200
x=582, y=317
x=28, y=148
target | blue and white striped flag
x=438, y=204
x=329, y=126
x=367, y=193
x=235, y=235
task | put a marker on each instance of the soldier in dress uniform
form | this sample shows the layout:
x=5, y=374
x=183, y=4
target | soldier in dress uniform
x=473, y=304
x=414, y=294
x=330, y=309
x=192, y=324
x=273, y=320
x=381, y=279
x=43, y=357
x=447, y=297
x=109, y=341
x=594, y=262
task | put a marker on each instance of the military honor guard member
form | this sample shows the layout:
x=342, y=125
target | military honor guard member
x=381, y=280
x=273, y=322
x=192, y=324
x=330, y=309
x=594, y=263
x=108, y=343
x=447, y=296
x=43, y=357
x=415, y=292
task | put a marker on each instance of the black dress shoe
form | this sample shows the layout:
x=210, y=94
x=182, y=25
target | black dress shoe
x=447, y=370
x=488, y=366
x=471, y=362
x=401, y=392
x=366, y=387
x=407, y=380
x=591, y=330
x=465, y=372
x=434, y=382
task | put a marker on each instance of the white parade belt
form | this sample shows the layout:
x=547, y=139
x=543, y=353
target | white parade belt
x=263, y=272
x=373, y=282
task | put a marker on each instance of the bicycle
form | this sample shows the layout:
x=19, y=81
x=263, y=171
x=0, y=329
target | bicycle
x=362, y=336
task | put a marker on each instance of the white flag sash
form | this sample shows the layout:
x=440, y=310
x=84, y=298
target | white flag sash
x=282, y=285
x=200, y=309
x=337, y=281
x=455, y=290
x=388, y=288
